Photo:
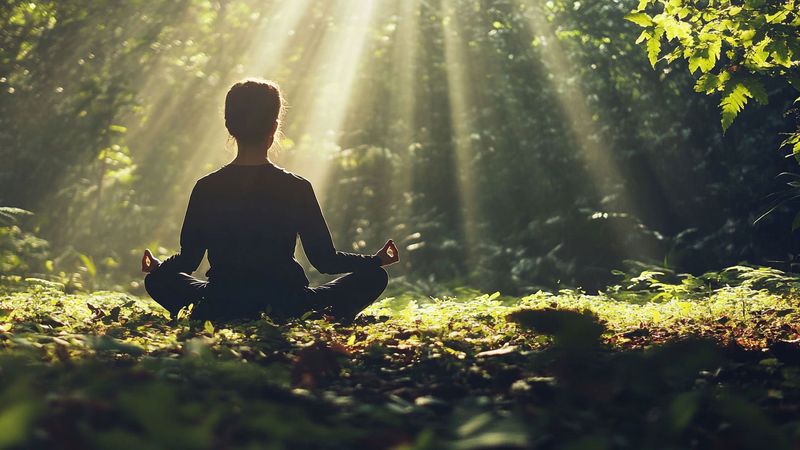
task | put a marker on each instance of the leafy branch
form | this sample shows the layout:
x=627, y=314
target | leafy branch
x=733, y=46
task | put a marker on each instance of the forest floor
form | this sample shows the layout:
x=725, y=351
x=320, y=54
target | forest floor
x=661, y=361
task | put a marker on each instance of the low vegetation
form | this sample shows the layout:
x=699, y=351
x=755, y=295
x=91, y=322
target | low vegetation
x=660, y=360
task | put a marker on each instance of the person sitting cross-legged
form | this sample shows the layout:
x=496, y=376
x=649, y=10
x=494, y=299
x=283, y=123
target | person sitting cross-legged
x=247, y=215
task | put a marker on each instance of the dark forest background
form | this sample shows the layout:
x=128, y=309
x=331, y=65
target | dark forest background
x=110, y=110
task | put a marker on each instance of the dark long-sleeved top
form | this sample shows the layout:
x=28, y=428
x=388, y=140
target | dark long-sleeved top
x=248, y=218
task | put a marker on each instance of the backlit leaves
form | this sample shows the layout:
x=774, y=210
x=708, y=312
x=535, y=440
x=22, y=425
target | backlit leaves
x=759, y=40
x=640, y=19
x=654, y=46
x=733, y=101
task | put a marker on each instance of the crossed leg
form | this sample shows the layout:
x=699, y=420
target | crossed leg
x=343, y=297
x=348, y=295
x=174, y=290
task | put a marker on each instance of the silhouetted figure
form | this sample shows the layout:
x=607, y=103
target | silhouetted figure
x=247, y=216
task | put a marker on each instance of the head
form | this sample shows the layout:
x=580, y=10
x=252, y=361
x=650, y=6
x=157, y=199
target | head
x=253, y=111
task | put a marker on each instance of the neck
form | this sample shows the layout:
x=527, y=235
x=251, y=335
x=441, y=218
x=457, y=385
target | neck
x=251, y=155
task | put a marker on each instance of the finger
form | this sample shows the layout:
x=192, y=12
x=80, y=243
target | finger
x=391, y=251
x=147, y=261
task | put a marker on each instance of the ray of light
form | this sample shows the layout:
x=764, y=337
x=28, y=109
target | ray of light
x=165, y=105
x=402, y=103
x=265, y=48
x=583, y=121
x=261, y=54
x=509, y=111
x=325, y=104
x=462, y=128
x=573, y=101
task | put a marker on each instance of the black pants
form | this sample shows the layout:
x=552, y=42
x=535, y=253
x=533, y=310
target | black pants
x=343, y=297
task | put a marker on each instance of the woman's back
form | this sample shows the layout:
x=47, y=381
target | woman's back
x=248, y=219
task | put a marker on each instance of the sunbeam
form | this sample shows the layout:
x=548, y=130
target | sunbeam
x=501, y=143
x=261, y=54
x=402, y=104
x=583, y=121
x=463, y=130
x=323, y=108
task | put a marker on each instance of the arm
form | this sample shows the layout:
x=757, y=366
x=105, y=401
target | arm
x=317, y=241
x=192, y=238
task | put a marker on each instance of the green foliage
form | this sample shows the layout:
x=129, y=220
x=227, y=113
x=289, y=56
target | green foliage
x=470, y=370
x=734, y=98
x=735, y=46
x=9, y=215
x=109, y=111
x=21, y=252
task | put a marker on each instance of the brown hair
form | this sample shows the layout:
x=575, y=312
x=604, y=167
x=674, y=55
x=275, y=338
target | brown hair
x=251, y=107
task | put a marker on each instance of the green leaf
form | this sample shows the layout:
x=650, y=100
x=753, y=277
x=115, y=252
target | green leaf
x=208, y=327
x=683, y=409
x=759, y=54
x=88, y=264
x=10, y=214
x=733, y=101
x=639, y=18
x=793, y=141
x=710, y=82
x=654, y=47
x=16, y=422
x=757, y=90
x=780, y=53
x=700, y=60
x=676, y=29
x=778, y=17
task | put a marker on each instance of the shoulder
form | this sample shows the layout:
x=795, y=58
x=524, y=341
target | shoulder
x=210, y=177
x=290, y=176
x=292, y=179
x=209, y=180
